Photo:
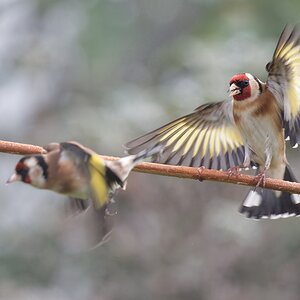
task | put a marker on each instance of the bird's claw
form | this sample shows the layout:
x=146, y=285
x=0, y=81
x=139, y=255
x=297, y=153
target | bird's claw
x=110, y=213
x=234, y=171
x=200, y=173
x=261, y=179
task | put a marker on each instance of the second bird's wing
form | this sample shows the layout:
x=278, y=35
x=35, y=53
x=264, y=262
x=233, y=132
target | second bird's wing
x=284, y=80
x=207, y=137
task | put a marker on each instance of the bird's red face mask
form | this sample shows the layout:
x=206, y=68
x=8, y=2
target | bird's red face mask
x=21, y=173
x=240, y=88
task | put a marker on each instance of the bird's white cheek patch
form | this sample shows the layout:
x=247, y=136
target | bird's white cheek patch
x=296, y=198
x=31, y=162
x=36, y=172
x=253, y=199
x=37, y=178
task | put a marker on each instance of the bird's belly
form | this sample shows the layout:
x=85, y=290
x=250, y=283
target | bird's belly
x=79, y=194
x=73, y=188
x=261, y=137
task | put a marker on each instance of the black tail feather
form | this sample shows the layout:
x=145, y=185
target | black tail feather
x=112, y=178
x=265, y=203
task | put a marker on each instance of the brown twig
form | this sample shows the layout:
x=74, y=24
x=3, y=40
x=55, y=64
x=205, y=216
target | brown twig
x=213, y=175
x=173, y=171
x=18, y=148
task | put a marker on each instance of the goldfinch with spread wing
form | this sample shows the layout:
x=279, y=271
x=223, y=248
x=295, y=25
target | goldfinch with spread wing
x=71, y=169
x=249, y=129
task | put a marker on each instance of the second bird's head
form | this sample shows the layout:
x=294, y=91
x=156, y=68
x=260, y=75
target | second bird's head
x=32, y=170
x=245, y=86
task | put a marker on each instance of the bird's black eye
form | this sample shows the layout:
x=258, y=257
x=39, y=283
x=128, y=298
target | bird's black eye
x=244, y=83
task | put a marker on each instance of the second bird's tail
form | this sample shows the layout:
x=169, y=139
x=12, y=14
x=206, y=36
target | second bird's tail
x=122, y=167
x=265, y=203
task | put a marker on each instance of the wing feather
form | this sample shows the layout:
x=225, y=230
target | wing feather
x=99, y=186
x=284, y=80
x=207, y=137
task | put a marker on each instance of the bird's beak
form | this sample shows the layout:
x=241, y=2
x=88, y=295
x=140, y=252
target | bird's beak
x=234, y=90
x=14, y=177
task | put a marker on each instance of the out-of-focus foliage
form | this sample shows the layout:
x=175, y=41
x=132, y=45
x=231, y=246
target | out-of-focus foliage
x=103, y=72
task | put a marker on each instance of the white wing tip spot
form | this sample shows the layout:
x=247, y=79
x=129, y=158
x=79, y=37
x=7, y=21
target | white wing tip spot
x=274, y=217
x=284, y=216
x=253, y=199
x=287, y=215
x=296, y=198
x=295, y=146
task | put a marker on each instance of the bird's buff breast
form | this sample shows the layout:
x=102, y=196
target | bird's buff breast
x=262, y=133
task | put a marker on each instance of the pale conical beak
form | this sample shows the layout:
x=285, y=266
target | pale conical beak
x=234, y=90
x=14, y=177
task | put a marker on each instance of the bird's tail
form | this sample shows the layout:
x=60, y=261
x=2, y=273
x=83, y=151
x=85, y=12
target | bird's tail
x=122, y=167
x=265, y=203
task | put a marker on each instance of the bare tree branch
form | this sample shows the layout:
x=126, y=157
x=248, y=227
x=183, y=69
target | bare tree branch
x=18, y=148
x=173, y=171
x=213, y=175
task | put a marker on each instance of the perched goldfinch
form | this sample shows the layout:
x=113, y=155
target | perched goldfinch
x=249, y=129
x=73, y=170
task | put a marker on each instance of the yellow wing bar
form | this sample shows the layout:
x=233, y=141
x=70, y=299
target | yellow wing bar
x=98, y=181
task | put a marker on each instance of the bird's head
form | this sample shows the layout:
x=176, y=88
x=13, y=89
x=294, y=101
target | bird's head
x=244, y=86
x=32, y=170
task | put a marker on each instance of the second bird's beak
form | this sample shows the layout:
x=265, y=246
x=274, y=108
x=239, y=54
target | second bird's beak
x=14, y=177
x=234, y=90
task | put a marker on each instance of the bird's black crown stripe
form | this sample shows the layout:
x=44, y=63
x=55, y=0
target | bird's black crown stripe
x=259, y=84
x=43, y=165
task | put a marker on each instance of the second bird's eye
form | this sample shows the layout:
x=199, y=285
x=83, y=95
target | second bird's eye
x=244, y=83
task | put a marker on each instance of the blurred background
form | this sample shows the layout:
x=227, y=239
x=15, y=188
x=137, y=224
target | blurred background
x=103, y=72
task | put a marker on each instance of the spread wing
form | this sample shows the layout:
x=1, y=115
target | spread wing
x=284, y=80
x=207, y=137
